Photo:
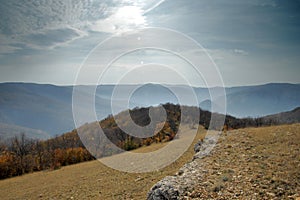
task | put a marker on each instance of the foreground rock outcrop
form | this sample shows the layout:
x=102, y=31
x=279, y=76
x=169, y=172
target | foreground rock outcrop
x=252, y=163
x=177, y=186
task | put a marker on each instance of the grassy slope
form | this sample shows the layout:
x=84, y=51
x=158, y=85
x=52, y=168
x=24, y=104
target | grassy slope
x=90, y=180
x=270, y=153
x=253, y=163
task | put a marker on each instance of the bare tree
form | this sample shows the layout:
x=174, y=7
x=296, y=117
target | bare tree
x=21, y=147
x=40, y=151
x=3, y=146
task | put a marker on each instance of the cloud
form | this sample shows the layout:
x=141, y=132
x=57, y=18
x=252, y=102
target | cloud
x=25, y=17
x=52, y=38
x=6, y=45
x=50, y=23
x=7, y=49
x=240, y=51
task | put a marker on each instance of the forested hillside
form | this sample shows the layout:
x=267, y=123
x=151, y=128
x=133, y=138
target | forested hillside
x=23, y=154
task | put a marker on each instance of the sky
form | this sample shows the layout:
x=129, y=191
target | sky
x=66, y=42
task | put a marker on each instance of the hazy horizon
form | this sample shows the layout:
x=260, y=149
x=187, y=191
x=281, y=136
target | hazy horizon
x=230, y=86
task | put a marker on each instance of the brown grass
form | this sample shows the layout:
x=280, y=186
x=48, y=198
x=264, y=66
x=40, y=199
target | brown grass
x=251, y=162
x=90, y=180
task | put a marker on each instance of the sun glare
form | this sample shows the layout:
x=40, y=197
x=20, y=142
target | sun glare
x=132, y=15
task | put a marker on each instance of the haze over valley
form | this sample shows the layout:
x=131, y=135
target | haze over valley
x=47, y=109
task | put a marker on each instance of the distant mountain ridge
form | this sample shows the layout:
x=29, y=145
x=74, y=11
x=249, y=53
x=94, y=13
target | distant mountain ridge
x=8, y=131
x=289, y=117
x=262, y=100
x=48, y=108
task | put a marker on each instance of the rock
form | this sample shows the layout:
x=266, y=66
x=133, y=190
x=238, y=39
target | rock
x=138, y=179
x=197, y=146
x=180, y=172
x=217, y=187
x=271, y=194
x=163, y=190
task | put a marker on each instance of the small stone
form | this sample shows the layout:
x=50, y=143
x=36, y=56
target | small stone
x=271, y=194
x=197, y=146
x=138, y=179
x=225, y=178
x=180, y=172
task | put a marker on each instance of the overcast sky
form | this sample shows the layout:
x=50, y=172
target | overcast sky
x=251, y=42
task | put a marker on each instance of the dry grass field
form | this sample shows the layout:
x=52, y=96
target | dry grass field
x=90, y=180
x=251, y=163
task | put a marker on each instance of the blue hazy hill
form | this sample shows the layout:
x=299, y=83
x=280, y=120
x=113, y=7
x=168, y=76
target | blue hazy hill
x=48, y=108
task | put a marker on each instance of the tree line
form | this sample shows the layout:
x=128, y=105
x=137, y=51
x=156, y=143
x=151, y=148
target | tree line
x=21, y=155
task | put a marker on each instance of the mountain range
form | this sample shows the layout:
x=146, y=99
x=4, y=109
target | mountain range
x=47, y=109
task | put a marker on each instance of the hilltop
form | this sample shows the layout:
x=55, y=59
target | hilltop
x=24, y=154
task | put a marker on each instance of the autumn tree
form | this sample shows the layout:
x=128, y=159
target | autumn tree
x=21, y=147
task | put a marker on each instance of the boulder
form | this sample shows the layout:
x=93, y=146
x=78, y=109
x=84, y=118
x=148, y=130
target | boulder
x=163, y=190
